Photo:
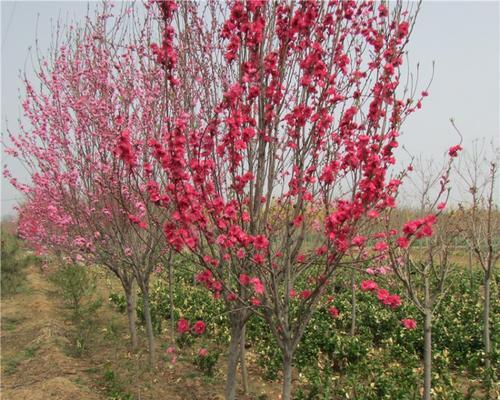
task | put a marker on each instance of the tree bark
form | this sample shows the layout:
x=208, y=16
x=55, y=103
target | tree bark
x=236, y=323
x=149, y=328
x=427, y=355
x=243, y=364
x=486, y=321
x=287, y=374
x=353, y=305
x=131, y=314
x=171, y=295
x=471, y=270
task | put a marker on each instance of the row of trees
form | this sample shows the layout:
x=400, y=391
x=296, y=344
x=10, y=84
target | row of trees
x=257, y=138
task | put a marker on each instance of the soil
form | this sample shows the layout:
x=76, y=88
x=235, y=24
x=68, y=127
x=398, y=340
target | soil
x=37, y=362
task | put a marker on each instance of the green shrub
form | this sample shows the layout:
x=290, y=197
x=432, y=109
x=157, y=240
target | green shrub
x=76, y=288
x=14, y=261
x=113, y=387
x=206, y=363
x=381, y=361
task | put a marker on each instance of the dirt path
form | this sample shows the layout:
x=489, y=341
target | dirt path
x=32, y=337
x=36, y=365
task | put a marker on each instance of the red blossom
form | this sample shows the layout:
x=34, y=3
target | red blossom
x=453, y=151
x=260, y=242
x=199, y=327
x=403, y=242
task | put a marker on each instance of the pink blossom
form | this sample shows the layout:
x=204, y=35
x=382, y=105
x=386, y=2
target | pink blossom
x=260, y=242
x=255, y=301
x=244, y=279
x=203, y=352
x=182, y=326
x=382, y=294
x=403, y=242
x=409, y=323
x=453, y=151
x=359, y=240
x=372, y=214
x=258, y=287
x=297, y=221
x=258, y=258
x=334, y=312
x=368, y=286
x=393, y=301
x=321, y=250
x=381, y=246
x=240, y=253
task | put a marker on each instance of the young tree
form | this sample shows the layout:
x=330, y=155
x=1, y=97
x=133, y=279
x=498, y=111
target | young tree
x=481, y=221
x=45, y=224
x=424, y=270
x=301, y=139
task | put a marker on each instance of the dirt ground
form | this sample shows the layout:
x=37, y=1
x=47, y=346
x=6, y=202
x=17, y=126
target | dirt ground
x=36, y=363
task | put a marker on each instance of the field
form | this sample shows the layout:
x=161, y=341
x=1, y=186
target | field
x=39, y=361
x=40, y=357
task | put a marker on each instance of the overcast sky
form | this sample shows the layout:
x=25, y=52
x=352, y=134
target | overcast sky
x=461, y=37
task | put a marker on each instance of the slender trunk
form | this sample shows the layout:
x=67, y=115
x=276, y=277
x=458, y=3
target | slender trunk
x=171, y=295
x=353, y=305
x=131, y=314
x=470, y=270
x=486, y=321
x=287, y=374
x=234, y=353
x=427, y=354
x=149, y=328
x=243, y=364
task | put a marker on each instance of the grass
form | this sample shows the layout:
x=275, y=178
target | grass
x=113, y=387
x=10, y=324
x=10, y=366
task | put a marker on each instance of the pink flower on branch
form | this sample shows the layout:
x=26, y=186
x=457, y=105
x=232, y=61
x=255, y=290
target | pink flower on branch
x=453, y=151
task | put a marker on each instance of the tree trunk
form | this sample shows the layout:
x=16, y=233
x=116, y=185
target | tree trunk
x=171, y=295
x=353, y=305
x=149, y=329
x=131, y=314
x=471, y=270
x=427, y=355
x=234, y=353
x=287, y=374
x=486, y=321
x=243, y=364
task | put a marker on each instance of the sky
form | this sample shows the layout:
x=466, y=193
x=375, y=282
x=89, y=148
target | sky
x=460, y=38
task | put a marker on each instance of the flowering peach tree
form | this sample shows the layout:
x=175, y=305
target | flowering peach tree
x=92, y=194
x=294, y=159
